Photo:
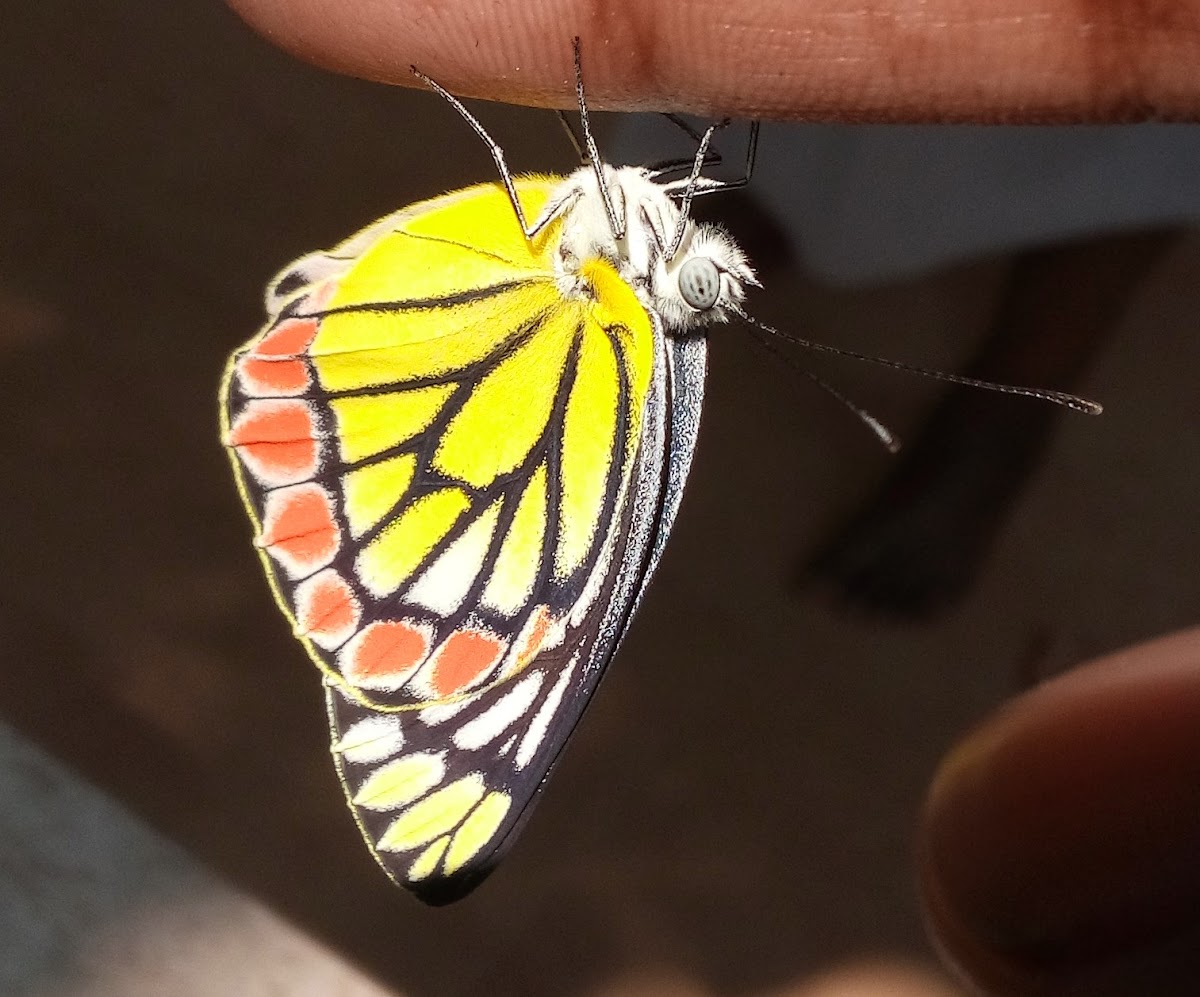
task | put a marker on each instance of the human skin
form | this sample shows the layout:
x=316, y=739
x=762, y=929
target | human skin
x=844, y=60
x=1060, y=842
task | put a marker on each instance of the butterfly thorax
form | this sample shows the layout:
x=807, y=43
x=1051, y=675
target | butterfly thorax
x=702, y=282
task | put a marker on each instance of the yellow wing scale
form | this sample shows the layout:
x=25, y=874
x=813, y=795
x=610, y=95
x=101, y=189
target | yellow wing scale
x=389, y=560
x=498, y=426
x=364, y=348
x=372, y=491
x=447, y=246
x=367, y=425
x=589, y=423
x=520, y=555
x=401, y=781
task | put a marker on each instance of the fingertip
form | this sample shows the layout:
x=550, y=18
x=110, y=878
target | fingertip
x=773, y=59
x=508, y=52
x=1064, y=833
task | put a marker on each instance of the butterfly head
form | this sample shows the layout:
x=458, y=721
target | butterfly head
x=690, y=274
x=705, y=281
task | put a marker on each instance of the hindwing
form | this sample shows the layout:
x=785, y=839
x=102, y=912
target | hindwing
x=460, y=481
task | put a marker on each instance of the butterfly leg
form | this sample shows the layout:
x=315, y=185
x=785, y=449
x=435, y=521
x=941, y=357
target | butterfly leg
x=592, y=154
x=713, y=158
x=493, y=147
x=576, y=142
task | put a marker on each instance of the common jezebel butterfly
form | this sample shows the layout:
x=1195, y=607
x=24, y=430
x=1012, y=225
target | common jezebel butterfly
x=462, y=440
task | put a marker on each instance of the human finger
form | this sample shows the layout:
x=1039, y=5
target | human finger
x=1060, y=847
x=1006, y=60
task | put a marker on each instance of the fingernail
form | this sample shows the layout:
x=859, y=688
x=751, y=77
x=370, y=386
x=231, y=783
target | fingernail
x=1062, y=839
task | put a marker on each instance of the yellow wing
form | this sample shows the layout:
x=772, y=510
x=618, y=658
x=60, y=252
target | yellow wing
x=443, y=457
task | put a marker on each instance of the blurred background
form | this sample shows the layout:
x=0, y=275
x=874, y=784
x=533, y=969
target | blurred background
x=735, y=814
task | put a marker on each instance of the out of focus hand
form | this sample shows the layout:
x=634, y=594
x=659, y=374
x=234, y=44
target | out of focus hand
x=1061, y=841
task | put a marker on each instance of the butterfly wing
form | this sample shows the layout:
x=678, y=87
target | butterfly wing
x=461, y=480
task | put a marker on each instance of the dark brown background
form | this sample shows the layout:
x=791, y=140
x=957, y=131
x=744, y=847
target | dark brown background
x=738, y=802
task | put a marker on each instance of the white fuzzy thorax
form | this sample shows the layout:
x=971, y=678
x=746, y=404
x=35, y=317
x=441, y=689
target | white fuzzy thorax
x=650, y=217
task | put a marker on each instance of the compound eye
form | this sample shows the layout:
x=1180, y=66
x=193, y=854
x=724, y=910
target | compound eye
x=700, y=283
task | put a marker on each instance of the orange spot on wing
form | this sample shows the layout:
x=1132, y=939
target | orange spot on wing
x=465, y=655
x=326, y=609
x=289, y=338
x=299, y=529
x=277, y=440
x=272, y=422
x=261, y=376
x=384, y=654
x=533, y=641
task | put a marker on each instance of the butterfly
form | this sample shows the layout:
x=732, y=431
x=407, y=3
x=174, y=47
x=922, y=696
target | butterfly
x=462, y=438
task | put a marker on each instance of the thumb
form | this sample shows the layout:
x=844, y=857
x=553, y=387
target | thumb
x=1060, y=846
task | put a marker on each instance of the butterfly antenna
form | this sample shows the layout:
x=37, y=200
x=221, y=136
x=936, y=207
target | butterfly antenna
x=493, y=146
x=1067, y=400
x=884, y=435
x=592, y=153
